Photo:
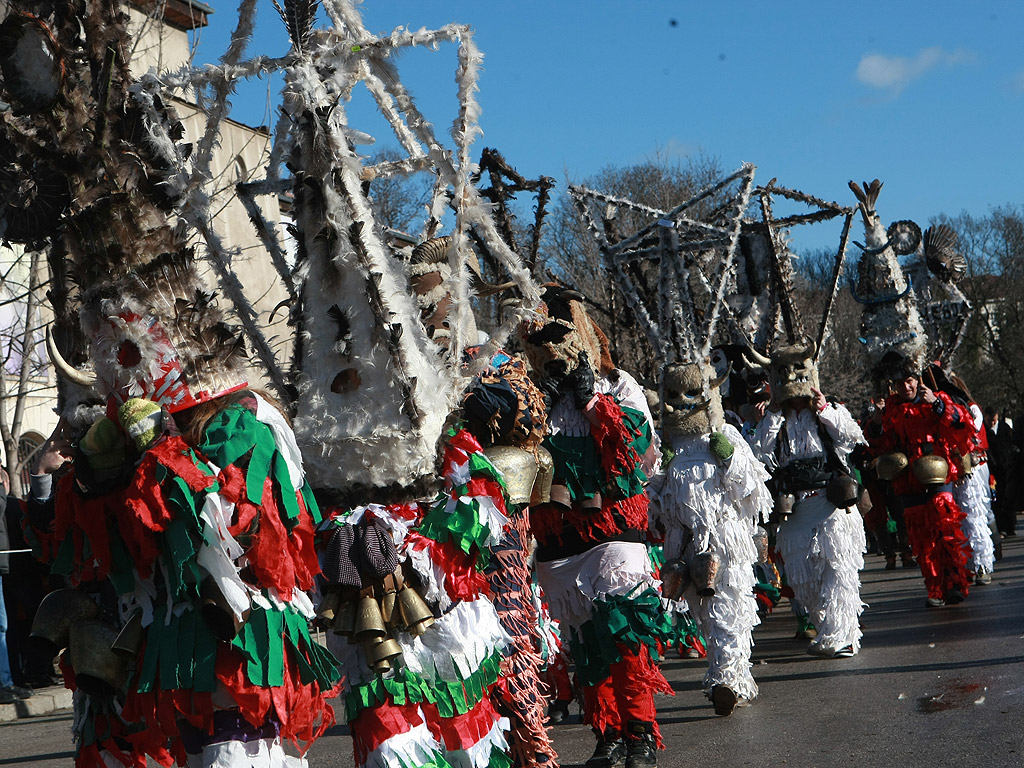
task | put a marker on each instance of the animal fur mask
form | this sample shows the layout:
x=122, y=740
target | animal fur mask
x=793, y=371
x=553, y=343
x=691, y=402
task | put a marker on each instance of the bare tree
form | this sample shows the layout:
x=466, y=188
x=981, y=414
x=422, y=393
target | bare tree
x=989, y=359
x=22, y=369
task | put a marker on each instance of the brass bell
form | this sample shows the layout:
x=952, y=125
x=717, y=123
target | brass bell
x=55, y=615
x=328, y=607
x=369, y=621
x=129, y=639
x=545, y=476
x=416, y=614
x=889, y=465
x=379, y=655
x=675, y=575
x=761, y=544
x=98, y=670
x=518, y=469
x=704, y=571
x=931, y=470
x=345, y=619
x=389, y=607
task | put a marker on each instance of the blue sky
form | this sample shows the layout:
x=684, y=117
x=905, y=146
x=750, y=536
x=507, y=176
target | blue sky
x=927, y=96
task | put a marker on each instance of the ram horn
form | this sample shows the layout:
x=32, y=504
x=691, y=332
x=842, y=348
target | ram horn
x=757, y=357
x=64, y=368
x=716, y=383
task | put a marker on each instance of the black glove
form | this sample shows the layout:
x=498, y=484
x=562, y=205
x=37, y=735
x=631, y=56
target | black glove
x=580, y=382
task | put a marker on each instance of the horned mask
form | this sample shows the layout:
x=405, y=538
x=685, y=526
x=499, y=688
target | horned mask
x=793, y=371
x=691, y=402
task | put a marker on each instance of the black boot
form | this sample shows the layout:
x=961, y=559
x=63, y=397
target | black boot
x=641, y=746
x=610, y=751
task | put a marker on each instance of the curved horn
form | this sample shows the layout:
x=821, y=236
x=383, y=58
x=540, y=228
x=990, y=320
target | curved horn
x=757, y=357
x=63, y=367
x=716, y=383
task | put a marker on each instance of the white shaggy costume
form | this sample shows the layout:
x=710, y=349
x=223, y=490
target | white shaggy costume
x=822, y=546
x=721, y=504
x=973, y=496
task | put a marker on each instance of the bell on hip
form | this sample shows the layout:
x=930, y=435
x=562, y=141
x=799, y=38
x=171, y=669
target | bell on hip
x=380, y=655
x=389, y=607
x=704, y=571
x=675, y=576
x=761, y=544
x=930, y=470
x=98, y=670
x=328, y=607
x=369, y=621
x=416, y=614
x=217, y=613
x=57, y=612
x=545, y=475
x=345, y=619
x=129, y=639
x=518, y=469
x=784, y=503
x=888, y=466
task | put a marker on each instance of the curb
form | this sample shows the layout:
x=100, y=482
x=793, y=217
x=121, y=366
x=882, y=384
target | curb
x=44, y=701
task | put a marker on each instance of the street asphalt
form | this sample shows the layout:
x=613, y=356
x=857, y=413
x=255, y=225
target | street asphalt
x=931, y=687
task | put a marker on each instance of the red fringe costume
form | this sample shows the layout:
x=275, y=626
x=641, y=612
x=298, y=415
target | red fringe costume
x=150, y=538
x=933, y=519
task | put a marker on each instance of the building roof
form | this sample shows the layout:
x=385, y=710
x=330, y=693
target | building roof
x=184, y=14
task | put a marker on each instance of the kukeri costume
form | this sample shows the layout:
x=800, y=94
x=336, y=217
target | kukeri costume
x=920, y=446
x=592, y=558
x=974, y=496
x=710, y=500
x=821, y=543
x=197, y=550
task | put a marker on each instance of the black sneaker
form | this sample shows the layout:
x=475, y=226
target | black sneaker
x=610, y=752
x=6, y=697
x=641, y=746
x=934, y=602
x=17, y=690
x=954, y=596
x=724, y=699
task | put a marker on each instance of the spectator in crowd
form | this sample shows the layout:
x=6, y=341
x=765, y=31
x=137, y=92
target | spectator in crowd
x=9, y=692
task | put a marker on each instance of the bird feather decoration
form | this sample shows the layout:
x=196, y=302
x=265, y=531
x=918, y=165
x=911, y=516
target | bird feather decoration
x=942, y=254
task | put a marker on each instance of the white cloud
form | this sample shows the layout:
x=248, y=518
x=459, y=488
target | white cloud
x=894, y=73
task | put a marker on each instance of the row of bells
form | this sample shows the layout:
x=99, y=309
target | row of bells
x=370, y=621
x=99, y=653
x=701, y=571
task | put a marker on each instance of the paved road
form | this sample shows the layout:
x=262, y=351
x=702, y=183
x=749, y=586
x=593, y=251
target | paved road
x=931, y=687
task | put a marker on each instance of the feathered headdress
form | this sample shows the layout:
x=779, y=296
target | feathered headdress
x=91, y=181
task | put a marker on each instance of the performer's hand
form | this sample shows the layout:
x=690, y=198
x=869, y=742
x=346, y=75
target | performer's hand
x=721, y=448
x=818, y=402
x=55, y=453
x=761, y=409
x=927, y=395
x=580, y=382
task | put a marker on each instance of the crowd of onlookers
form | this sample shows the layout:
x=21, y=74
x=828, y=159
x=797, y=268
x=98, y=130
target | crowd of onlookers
x=23, y=583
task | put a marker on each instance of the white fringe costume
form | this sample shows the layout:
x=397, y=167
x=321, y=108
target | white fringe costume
x=822, y=546
x=721, y=504
x=973, y=496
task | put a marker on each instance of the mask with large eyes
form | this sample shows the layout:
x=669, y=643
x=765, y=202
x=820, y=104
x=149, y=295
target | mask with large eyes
x=793, y=371
x=690, y=398
x=554, y=341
